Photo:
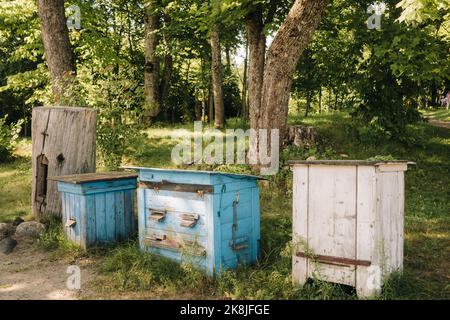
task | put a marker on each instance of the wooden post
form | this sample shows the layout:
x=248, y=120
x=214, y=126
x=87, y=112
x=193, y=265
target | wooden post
x=63, y=140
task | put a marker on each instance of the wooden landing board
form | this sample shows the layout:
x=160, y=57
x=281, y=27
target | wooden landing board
x=94, y=177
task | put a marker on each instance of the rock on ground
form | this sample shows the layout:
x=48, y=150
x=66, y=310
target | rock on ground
x=7, y=245
x=5, y=230
x=31, y=229
x=17, y=221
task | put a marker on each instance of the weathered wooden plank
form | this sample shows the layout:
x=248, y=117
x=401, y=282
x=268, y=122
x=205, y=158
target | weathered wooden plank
x=332, y=223
x=128, y=209
x=300, y=223
x=175, y=201
x=66, y=136
x=110, y=216
x=94, y=177
x=180, y=187
x=119, y=200
x=365, y=230
x=91, y=222
x=100, y=217
x=256, y=240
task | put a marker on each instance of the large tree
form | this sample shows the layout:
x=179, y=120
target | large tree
x=216, y=67
x=256, y=40
x=151, y=71
x=57, y=47
x=282, y=57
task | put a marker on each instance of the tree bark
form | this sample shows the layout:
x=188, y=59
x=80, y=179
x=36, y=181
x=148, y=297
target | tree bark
x=245, y=111
x=210, y=105
x=257, y=51
x=287, y=47
x=308, y=103
x=217, y=77
x=151, y=71
x=57, y=48
x=165, y=81
x=320, y=99
x=63, y=142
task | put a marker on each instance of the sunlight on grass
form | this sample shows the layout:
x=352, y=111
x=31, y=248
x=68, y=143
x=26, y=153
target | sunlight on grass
x=441, y=114
x=15, y=190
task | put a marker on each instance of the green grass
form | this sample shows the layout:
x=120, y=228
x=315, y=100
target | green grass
x=15, y=190
x=124, y=271
x=440, y=114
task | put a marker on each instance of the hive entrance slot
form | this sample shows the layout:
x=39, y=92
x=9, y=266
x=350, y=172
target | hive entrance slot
x=157, y=215
x=189, y=220
x=41, y=177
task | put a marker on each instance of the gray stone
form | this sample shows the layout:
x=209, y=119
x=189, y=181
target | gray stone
x=31, y=229
x=17, y=221
x=7, y=245
x=5, y=230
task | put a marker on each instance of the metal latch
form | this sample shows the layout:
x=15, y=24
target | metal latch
x=189, y=220
x=157, y=215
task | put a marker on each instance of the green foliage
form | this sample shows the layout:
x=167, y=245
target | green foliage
x=116, y=101
x=8, y=138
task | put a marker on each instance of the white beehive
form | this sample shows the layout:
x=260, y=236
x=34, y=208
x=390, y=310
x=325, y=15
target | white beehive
x=348, y=222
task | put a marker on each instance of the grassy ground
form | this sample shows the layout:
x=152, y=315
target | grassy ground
x=440, y=114
x=123, y=271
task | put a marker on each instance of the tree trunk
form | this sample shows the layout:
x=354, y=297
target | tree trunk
x=320, y=99
x=245, y=111
x=328, y=100
x=308, y=103
x=217, y=78
x=210, y=106
x=63, y=142
x=165, y=81
x=151, y=71
x=257, y=51
x=228, y=57
x=57, y=48
x=287, y=47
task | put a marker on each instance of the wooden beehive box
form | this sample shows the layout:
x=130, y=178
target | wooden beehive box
x=63, y=144
x=210, y=219
x=97, y=208
x=348, y=222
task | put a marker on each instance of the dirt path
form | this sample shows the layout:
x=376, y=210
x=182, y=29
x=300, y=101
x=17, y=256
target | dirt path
x=30, y=273
x=440, y=123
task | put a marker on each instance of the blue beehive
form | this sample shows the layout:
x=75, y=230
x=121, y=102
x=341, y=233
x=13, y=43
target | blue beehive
x=97, y=208
x=209, y=218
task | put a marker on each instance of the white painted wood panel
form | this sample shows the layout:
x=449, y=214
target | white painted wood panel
x=353, y=219
x=300, y=223
x=365, y=228
x=332, y=211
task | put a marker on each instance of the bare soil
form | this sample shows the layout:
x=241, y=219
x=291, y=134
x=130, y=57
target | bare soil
x=29, y=273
